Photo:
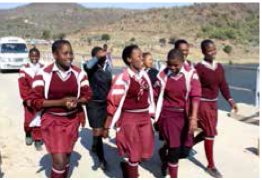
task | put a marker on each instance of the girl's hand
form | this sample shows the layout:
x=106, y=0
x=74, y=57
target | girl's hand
x=28, y=103
x=105, y=133
x=233, y=105
x=69, y=102
x=192, y=125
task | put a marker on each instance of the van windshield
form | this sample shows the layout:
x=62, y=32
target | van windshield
x=13, y=48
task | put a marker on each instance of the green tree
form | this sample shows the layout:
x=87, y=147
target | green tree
x=46, y=34
x=61, y=35
x=133, y=39
x=228, y=49
x=172, y=40
x=105, y=37
x=89, y=41
x=162, y=41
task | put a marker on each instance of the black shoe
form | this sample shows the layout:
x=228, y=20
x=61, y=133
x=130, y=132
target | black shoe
x=214, y=172
x=38, y=145
x=93, y=149
x=164, y=169
x=163, y=154
x=103, y=165
x=29, y=139
x=123, y=167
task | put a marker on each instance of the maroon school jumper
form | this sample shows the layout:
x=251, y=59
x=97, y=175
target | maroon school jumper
x=60, y=132
x=172, y=122
x=135, y=137
x=26, y=77
x=212, y=79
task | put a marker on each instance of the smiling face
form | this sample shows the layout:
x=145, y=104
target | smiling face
x=136, y=59
x=148, y=61
x=34, y=57
x=64, y=56
x=175, y=64
x=184, y=48
x=210, y=51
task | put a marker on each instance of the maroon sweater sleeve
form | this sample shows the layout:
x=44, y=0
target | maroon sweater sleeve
x=24, y=86
x=156, y=90
x=224, y=85
x=196, y=91
x=37, y=93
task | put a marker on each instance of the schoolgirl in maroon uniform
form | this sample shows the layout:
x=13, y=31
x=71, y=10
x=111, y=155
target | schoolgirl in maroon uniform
x=60, y=90
x=148, y=66
x=213, y=80
x=183, y=46
x=178, y=93
x=25, y=81
x=130, y=105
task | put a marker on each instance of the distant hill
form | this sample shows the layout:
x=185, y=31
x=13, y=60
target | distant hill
x=229, y=24
x=32, y=20
x=237, y=22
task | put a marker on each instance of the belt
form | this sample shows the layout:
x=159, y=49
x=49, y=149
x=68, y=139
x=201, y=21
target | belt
x=63, y=113
x=137, y=110
x=205, y=99
x=175, y=108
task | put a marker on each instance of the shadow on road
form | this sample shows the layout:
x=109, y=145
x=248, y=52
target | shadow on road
x=253, y=150
x=46, y=163
x=111, y=155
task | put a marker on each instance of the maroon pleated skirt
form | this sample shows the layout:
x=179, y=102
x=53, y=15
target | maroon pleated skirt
x=173, y=127
x=59, y=133
x=135, y=138
x=35, y=131
x=207, y=116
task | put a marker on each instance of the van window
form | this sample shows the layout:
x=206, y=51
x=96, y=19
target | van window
x=13, y=48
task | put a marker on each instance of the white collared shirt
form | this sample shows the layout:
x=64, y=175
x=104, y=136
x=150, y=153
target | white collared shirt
x=137, y=75
x=212, y=66
x=34, y=67
x=62, y=74
x=182, y=71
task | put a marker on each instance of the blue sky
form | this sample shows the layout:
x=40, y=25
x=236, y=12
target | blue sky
x=109, y=5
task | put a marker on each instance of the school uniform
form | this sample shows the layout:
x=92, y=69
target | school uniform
x=100, y=82
x=131, y=104
x=152, y=72
x=25, y=81
x=213, y=80
x=175, y=94
x=59, y=126
x=189, y=63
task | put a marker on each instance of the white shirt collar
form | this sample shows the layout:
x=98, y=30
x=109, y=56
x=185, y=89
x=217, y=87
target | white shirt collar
x=37, y=65
x=34, y=67
x=182, y=71
x=212, y=66
x=62, y=74
x=137, y=76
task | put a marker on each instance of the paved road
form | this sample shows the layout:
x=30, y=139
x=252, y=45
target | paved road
x=233, y=155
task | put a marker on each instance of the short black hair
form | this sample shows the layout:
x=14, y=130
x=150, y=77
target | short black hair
x=205, y=44
x=59, y=43
x=34, y=49
x=95, y=50
x=175, y=53
x=145, y=54
x=180, y=41
x=127, y=52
